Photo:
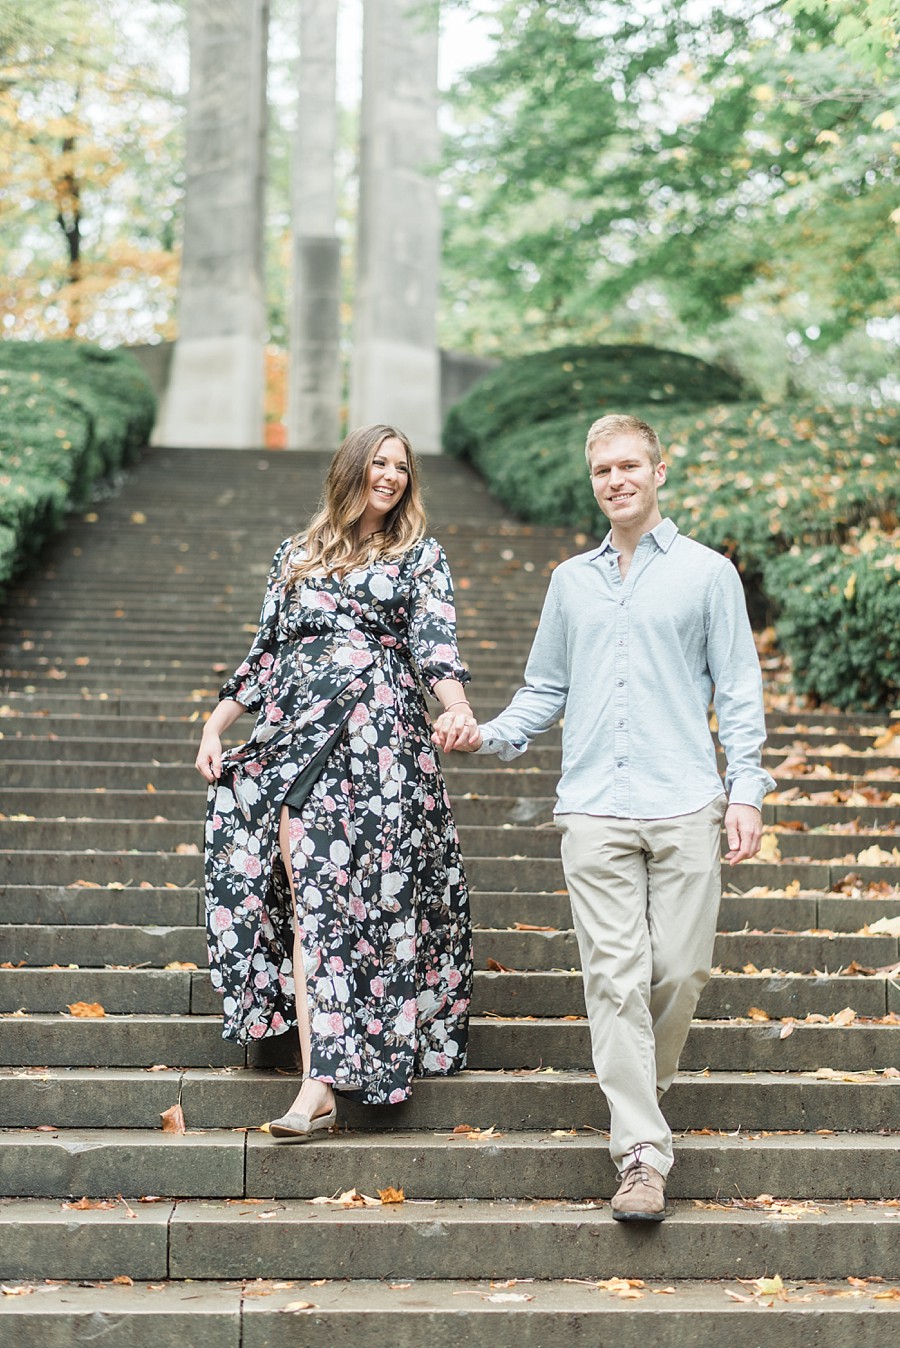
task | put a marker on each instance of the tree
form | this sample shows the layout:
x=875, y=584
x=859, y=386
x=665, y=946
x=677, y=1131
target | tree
x=694, y=164
x=90, y=141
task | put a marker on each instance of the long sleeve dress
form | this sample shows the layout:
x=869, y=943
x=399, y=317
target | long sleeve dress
x=342, y=734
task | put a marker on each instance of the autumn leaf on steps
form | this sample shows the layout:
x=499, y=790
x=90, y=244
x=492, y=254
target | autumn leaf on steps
x=769, y=851
x=495, y=967
x=885, y=926
x=757, y=1013
x=886, y=741
x=89, y=1205
x=187, y=849
x=173, y=1120
x=86, y=1010
x=391, y=1195
x=293, y=1306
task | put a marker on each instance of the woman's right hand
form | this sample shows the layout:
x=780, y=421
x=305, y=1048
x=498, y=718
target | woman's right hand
x=209, y=756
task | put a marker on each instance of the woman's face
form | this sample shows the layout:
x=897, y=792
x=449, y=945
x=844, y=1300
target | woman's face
x=388, y=480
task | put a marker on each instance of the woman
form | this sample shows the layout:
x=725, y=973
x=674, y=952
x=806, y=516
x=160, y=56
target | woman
x=336, y=897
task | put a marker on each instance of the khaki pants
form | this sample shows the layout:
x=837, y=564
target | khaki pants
x=645, y=897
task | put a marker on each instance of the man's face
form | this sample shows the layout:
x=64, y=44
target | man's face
x=625, y=482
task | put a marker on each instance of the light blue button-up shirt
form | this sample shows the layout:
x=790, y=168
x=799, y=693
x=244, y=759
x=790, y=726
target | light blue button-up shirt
x=632, y=663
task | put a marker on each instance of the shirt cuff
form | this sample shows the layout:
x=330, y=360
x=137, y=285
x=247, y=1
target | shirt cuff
x=503, y=748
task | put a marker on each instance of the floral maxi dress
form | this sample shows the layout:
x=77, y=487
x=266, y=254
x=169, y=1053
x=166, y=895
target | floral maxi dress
x=335, y=676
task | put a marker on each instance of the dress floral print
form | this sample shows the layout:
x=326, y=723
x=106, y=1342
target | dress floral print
x=335, y=676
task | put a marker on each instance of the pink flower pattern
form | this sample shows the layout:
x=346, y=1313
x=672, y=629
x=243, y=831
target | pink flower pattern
x=384, y=923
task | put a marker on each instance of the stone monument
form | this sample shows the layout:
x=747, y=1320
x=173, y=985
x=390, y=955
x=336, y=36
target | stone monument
x=395, y=367
x=314, y=383
x=215, y=393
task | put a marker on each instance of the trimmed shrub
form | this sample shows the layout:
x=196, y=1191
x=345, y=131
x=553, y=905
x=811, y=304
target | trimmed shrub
x=840, y=618
x=585, y=380
x=784, y=487
x=69, y=414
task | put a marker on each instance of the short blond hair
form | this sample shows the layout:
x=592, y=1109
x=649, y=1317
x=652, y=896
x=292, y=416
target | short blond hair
x=616, y=423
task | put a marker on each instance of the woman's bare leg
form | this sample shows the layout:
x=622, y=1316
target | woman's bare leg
x=314, y=1097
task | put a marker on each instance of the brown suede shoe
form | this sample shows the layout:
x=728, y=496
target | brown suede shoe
x=641, y=1196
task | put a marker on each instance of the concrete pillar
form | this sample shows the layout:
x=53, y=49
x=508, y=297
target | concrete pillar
x=396, y=368
x=314, y=382
x=215, y=395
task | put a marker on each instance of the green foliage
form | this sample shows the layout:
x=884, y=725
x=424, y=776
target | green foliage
x=588, y=380
x=679, y=165
x=840, y=618
x=70, y=414
x=783, y=490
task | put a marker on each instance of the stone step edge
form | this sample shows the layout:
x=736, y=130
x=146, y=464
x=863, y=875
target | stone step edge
x=705, y=1307
x=501, y=1238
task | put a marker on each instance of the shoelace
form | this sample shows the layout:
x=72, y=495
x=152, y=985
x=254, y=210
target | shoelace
x=636, y=1173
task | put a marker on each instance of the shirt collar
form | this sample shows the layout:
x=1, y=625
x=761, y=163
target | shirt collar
x=663, y=536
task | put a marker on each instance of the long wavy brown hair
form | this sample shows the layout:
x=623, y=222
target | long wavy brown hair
x=330, y=539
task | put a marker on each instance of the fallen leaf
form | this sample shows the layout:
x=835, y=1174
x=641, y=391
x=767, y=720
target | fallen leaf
x=497, y=968
x=299, y=1306
x=86, y=1010
x=757, y=1013
x=887, y=926
x=769, y=851
x=181, y=964
x=845, y=1017
x=123, y=1280
x=173, y=1119
x=21, y=1291
x=187, y=849
x=89, y=1205
x=391, y=1195
x=508, y=1296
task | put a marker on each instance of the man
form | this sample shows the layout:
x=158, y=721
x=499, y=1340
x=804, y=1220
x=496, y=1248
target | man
x=633, y=637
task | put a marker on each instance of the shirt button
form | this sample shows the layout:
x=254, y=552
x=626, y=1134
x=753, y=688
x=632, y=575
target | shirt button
x=620, y=683
x=621, y=723
x=620, y=765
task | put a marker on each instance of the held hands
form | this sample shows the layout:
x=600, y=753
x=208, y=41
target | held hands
x=743, y=828
x=457, y=729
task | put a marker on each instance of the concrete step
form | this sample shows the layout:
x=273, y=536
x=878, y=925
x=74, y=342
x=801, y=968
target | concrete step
x=496, y=1043
x=496, y=1240
x=219, y=1163
x=232, y=1097
x=54, y=905
x=445, y=1314
x=86, y=946
x=131, y=989
x=490, y=807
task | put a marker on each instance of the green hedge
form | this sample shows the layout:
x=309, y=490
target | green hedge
x=840, y=618
x=583, y=380
x=752, y=481
x=69, y=414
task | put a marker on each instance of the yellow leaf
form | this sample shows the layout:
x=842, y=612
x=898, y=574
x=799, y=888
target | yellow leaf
x=390, y=1195
x=86, y=1010
x=885, y=121
x=138, y=517
x=850, y=587
x=769, y=851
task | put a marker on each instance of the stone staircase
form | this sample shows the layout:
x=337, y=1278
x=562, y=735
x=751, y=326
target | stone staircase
x=787, y=1185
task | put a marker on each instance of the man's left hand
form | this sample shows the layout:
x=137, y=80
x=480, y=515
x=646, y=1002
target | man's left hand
x=743, y=828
